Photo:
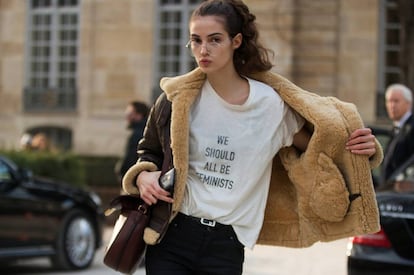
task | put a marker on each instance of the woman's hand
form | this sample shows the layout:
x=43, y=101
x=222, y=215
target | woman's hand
x=362, y=142
x=149, y=189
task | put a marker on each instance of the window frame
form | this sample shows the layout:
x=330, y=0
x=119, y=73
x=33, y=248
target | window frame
x=48, y=85
x=385, y=69
x=184, y=60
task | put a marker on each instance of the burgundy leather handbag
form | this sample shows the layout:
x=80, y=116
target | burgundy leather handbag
x=126, y=248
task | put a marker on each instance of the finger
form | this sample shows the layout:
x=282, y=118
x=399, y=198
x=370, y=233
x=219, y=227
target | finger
x=362, y=145
x=146, y=200
x=368, y=152
x=152, y=200
x=361, y=140
x=149, y=198
x=360, y=132
x=366, y=137
x=166, y=199
x=161, y=194
x=161, y=191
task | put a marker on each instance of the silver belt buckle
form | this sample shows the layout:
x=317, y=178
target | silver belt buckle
x=207, y=222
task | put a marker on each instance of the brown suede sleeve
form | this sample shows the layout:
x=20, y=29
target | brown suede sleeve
x=150, y=148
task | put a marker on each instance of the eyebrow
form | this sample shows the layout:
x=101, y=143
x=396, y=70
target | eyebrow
x=210, y=35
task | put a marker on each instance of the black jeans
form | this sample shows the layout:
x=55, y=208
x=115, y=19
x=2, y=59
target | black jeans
x=190, y=247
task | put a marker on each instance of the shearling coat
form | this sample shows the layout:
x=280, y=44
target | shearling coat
x=322, y=194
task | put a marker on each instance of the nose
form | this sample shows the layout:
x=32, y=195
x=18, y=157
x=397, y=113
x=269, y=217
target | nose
x=204, y=48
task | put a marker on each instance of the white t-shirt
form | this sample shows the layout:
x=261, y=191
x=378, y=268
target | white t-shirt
x=231, y=152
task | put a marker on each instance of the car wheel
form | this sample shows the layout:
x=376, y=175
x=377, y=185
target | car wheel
x=75, y=245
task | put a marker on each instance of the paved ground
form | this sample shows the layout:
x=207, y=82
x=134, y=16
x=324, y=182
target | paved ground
x=320, y=259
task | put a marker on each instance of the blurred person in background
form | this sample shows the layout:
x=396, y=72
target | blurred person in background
x=136, y=115
x=40, y=142
x=26, y=141
x=398, y=102
x=37, y=142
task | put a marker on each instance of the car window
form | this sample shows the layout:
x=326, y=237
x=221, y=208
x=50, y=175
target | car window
x=5, y=174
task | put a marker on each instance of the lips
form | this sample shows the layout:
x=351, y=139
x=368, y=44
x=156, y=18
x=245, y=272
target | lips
x=204, y=62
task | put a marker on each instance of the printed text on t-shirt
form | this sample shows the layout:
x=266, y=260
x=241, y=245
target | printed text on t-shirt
x=220, y=164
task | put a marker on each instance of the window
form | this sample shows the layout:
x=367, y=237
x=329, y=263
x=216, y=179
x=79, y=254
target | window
x=51, y=67
x=172, y=58
x=403, y=180
x=5, y=174
x=389, y=51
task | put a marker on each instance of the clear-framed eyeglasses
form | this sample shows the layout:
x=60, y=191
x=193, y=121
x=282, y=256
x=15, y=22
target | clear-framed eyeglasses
x=195, y=45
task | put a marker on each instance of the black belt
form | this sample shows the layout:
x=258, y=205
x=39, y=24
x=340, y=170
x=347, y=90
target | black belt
x=202, y=221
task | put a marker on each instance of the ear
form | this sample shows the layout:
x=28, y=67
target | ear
x=237, y=41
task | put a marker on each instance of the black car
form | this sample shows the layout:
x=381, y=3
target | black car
x=43, y=218
x=390, y=251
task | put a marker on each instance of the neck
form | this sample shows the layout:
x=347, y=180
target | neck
x=223, y=78
x=230, y=86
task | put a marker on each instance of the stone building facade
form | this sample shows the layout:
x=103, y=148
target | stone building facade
x=329, y=47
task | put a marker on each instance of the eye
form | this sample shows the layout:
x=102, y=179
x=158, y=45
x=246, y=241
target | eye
x=195, y=41
x=216, y=40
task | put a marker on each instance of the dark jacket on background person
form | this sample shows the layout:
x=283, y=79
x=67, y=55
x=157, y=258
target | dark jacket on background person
x=322, y=194
x=130, y=155
x=399, y=149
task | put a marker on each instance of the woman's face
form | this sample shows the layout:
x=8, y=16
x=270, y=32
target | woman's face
x=211, y=45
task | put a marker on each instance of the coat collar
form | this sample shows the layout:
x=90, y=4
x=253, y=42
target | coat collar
x=183, y=90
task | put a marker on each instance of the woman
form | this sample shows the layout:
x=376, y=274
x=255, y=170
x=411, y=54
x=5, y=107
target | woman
x=256, y=158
